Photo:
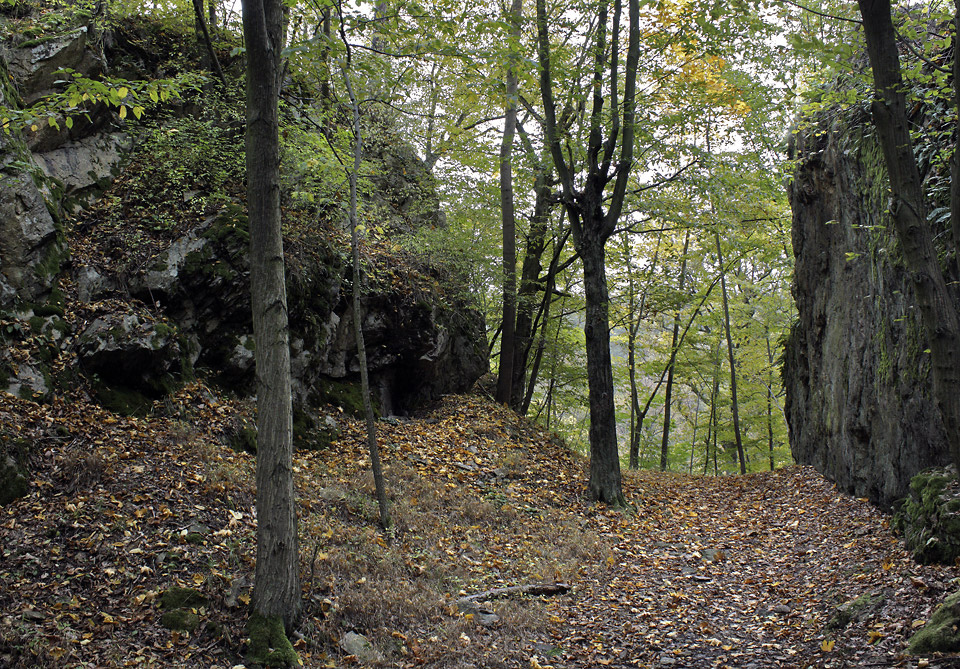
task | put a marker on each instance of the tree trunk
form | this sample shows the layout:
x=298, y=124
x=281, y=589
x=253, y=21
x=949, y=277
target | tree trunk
x=276, y=591
x=909, y=212
x=530, y=285
x=734, y=402
x=590, y=224
x=605, y=483
x=373, y=447
x=208, y=57
x=770, y=361
x=668, y=392
x=955, y=158
x=508, y=327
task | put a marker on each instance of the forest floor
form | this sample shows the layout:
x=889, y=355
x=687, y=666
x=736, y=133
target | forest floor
x=765, y=570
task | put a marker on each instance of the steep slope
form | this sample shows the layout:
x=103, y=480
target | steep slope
x=123, y=258
x=766, y=570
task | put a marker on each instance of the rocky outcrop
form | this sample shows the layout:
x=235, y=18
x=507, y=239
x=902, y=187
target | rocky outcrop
x=419, y=346
x=184, y=279
x=133, y=358
x=856, y=373
x=48, y=168
x=929, y=517
x=30, y=247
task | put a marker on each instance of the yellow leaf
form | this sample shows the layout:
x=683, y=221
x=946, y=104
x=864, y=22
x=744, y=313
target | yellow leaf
x=123, y=111
x=122, y=92
x=827, y=645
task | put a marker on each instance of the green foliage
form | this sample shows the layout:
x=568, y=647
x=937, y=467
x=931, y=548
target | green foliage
x=185, y=168
x=79, y=93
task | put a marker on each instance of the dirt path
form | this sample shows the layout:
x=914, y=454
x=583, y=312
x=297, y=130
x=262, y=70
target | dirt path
x=747, y=572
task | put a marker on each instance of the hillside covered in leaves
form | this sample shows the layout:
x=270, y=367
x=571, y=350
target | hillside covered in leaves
x=764, y=570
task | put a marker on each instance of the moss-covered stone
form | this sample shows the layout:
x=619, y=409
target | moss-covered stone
x=312, y=433
x=346, y=395
x=942, y=633
x=269, y=645
x=182, y=598
x=13, y=480
x=854, y=609
x=123, y=401
x=242, y=436
x=182, y=620
x=929, y=517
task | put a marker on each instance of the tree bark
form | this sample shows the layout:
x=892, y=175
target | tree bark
x=734, y=401
x=373, y=447
x=671, y=365
x=908, y=209
x=276, y=591
x=507, y=340
x=530, y=284
x=605, y=482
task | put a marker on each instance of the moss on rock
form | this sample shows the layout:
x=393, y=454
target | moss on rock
x=269, y=645
x=929, y=517
x=942, y=633
x=183, y=620
x=346, y=395
x=179, y=598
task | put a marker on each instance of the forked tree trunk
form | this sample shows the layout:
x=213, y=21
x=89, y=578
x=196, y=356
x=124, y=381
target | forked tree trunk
x=276, y=590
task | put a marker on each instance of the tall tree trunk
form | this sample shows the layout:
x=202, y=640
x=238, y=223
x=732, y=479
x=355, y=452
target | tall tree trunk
x=590, y=224
x=633, y=328
x=276, y=590
x=373, y=447
x=734, y=402
x=908, y=208
x=668, y=392
x=955, y=158
x=530, y=284
x=770, y=362
x=693, y=439
x=605, y=483
x=508, y=328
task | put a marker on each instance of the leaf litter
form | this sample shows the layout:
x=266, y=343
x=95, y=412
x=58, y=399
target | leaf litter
x=765, y=570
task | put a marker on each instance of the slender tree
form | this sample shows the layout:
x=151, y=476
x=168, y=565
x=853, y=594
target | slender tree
x=671, y=364
x=276, y=592
x=508, y=328
x=908, y=209
x=373, y=446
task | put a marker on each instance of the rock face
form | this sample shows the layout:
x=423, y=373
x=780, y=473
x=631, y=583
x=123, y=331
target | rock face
x=187, y=293
x=855, y=370
x=418, y=348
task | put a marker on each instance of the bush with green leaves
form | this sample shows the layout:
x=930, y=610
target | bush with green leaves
x=185, y=167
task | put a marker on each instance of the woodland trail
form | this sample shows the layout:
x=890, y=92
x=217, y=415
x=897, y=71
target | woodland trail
x=749, y=571
x=729, y=571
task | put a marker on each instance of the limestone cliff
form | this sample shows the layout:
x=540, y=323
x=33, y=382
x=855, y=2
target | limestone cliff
x=855, y=368
x=123, y=249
